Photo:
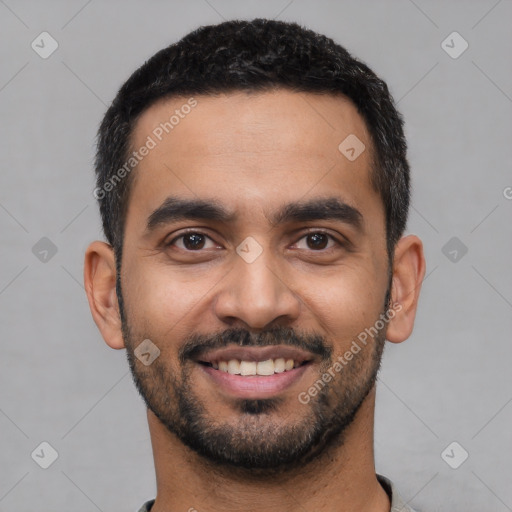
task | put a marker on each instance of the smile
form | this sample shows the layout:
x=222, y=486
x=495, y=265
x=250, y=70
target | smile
x=262, y=368
x=255, y=372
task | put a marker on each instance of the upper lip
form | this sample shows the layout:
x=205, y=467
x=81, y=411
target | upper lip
x=256, y=354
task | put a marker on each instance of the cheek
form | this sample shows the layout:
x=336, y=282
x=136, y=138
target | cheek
x=345, y=303
x=158, y=300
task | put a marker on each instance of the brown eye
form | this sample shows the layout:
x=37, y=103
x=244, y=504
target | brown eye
x=193, y=241
x=317, y=241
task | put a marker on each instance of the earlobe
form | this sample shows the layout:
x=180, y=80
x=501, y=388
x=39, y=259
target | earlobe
x=100, y=286
x=408, y=274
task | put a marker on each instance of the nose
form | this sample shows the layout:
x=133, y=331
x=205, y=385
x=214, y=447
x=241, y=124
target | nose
x=255, y=295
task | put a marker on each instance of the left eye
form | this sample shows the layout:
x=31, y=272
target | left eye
x=193, y=241
x=317, y=241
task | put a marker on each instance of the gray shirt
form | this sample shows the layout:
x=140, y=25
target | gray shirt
x=397, y=503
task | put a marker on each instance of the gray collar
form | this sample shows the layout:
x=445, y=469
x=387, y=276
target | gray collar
x=397, y=502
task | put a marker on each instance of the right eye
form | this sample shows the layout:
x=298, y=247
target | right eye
x=192, y=241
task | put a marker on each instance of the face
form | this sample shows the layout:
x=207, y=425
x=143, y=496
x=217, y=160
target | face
x=254, y=255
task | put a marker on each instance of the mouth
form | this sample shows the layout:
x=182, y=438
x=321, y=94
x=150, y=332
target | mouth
x=261, y=368
x=255, y=372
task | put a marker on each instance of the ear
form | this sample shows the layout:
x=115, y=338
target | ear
x=100, y=286
x=408, y=274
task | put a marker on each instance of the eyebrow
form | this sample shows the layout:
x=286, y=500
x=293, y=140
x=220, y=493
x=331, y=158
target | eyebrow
x=174, y=209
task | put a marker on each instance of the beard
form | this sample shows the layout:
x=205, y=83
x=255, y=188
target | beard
x=256, y=437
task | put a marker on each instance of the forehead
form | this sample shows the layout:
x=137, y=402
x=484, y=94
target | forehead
x=214, y=119
x=238, y=147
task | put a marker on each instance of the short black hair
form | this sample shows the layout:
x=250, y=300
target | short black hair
x=254, y=56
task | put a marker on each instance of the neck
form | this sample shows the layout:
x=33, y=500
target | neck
x=342, y=479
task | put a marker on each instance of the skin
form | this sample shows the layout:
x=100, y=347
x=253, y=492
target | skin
x=253, y=153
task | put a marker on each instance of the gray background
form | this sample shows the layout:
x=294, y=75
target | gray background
x=450, y=381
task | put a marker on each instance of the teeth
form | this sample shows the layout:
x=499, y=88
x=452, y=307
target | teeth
x=265, y=367
x=268, y=367
x=247, y=368
x=234, y=367
x=279, y=365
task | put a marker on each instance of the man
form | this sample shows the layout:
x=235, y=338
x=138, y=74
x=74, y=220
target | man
x=254, y=188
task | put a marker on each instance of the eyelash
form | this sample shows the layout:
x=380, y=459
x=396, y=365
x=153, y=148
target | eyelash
x=315, y=232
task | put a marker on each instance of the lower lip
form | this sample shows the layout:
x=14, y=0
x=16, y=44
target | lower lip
x=255, y=386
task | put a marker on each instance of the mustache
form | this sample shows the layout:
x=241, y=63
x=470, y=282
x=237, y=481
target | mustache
x=198, y=344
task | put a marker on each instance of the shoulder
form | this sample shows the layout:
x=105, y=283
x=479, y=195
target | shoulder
x=147, y=506
x=397, y=502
